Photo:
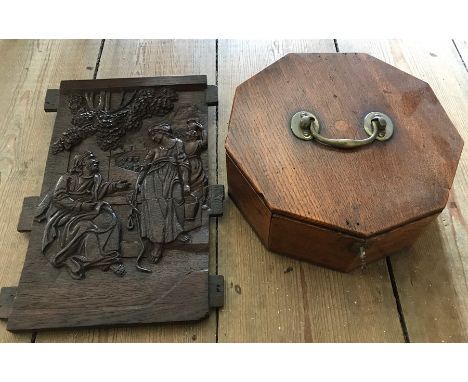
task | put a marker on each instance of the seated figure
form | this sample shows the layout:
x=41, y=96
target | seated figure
x=82, y=231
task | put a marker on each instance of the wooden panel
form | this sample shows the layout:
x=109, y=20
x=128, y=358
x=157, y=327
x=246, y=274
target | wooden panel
x=431, y=277
x=212, y=95
x=393, y=241
x=133, y=58
x=274, y=298
x=29, y=68
x=28, y=209
x=177, y=288
x=309, y=242
x=51, y=101
x=197, y=82
x=336, y=250
x=7, y=297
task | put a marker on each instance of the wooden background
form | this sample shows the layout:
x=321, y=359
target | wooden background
x=420, y=295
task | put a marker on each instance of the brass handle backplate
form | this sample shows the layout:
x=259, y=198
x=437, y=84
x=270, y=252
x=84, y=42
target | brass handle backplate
x=378, y=126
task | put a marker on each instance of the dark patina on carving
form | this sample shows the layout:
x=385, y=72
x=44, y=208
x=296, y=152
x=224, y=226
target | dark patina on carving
x=92, y=114
x=81, y=266
x=82, y=231
x=170, y=183
x=173, y=187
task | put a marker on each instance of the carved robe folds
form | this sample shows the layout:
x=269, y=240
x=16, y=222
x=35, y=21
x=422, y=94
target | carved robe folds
x=162, y=218
x=198, y=182
x=81, y=231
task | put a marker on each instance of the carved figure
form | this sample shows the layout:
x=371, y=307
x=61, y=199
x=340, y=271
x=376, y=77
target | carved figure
x=163, y=181
x=82, y=231
x=195, y=142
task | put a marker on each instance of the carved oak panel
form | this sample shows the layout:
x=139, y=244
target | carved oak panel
x=121, y=232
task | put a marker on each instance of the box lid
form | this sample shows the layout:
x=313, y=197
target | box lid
x=361, y=191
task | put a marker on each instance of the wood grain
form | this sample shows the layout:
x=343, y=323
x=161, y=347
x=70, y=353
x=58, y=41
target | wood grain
x=366, y=192
x=273, y=298
x=341, y=89
x=432, y=276
x=28, y=69
x=177, y=288
x=134, y=58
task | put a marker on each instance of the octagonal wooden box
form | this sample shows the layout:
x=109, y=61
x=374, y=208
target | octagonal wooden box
x=333, y=206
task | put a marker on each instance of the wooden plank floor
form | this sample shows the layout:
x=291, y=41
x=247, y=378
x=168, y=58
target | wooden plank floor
x=28, y=69
x=431, y=277
x=419, y=295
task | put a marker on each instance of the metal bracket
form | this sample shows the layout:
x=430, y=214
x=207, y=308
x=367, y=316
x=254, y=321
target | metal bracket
x=216, y=200
x=216, y=291
x=51, y=100
x=7, y=296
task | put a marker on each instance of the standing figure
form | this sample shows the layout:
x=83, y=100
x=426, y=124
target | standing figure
x=196, y=141
x=163, y=181
x=82, y=231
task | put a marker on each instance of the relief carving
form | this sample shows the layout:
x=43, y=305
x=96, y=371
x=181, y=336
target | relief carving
x=92, y=114
x=173, y=186
x=82, y=231
x=122, y=227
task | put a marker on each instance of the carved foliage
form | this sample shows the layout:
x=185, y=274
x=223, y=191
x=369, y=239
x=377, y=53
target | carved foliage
x=92, y=115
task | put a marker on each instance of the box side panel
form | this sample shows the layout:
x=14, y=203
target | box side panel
x=248, y=201
x=335, y=250
x=393, y=241
x=308, y=242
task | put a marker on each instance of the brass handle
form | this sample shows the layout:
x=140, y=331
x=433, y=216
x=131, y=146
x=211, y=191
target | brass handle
x=306, y=126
